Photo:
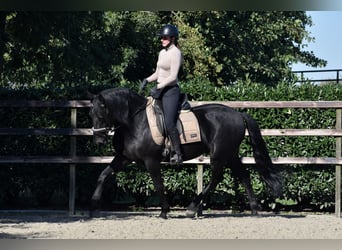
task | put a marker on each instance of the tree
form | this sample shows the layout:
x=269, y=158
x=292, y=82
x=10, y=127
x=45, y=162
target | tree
x=75, y=48
x=97, y=48
x=256, y=46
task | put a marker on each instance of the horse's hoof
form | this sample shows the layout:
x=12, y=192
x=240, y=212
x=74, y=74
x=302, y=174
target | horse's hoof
x=255, y=213
x=190, y=213
x=94, y=213
x=163, y=215
x=191, y=210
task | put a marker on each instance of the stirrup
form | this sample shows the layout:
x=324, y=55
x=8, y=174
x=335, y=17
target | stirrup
x=166, y=152
x=176, y=159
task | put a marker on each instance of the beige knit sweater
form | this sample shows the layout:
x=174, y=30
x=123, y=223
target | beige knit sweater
x=169, y=62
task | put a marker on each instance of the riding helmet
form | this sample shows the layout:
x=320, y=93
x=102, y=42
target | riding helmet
x=168, y=30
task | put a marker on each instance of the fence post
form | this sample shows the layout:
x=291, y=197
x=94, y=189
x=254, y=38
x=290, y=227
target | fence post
x=72, y=167
x=338, y=76
x=199, y=186
x=338, y=167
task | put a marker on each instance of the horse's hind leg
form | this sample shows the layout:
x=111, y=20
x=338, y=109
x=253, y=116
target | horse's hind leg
x=154, y=169
x=216, y=177
x=240, y=172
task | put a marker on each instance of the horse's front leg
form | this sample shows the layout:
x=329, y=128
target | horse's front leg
x=115, y=165
x=95, y=199
x=153, y=168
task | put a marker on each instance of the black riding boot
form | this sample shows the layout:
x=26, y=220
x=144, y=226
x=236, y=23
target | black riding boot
x=176, y=156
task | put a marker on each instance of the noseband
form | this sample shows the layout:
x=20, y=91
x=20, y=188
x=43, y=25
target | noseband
x=98, y=130
x=103, y=131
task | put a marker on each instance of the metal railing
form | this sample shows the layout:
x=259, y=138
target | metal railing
x=303, y=75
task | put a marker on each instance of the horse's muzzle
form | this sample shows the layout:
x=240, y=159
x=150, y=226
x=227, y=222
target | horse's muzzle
x=100, y=140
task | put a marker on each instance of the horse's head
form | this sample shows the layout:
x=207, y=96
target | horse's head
x=113, y=107
x=98, y=113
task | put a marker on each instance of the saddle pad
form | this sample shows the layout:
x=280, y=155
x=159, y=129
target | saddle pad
x=188, y=120
x=158, y=138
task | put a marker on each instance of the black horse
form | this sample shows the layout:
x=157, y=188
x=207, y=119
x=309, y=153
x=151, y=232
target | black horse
x=222, y=131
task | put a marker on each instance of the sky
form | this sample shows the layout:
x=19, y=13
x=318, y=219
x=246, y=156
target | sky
x=327, y=31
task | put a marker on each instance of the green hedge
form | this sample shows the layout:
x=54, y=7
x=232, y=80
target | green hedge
x=46, y=186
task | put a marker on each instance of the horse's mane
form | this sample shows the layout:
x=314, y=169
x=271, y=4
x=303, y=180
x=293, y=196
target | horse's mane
x=123, y=100
x=111, y=92
x=121, y=91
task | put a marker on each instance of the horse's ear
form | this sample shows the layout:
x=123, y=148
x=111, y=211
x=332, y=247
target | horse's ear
x=90, y=95
x=102, y=101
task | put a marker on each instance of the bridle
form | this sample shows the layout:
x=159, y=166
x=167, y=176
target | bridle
x=111, y=130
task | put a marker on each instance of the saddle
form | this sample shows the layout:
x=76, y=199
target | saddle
x=187, y=124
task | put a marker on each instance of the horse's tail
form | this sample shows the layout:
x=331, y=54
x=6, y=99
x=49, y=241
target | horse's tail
x=268, y=172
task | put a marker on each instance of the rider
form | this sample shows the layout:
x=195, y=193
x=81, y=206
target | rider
x=167, y=88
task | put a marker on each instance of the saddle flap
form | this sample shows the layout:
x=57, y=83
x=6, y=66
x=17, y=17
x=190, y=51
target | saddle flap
x=190, y=128
x=156, y=133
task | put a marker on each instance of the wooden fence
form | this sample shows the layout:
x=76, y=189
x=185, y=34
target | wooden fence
x=72, y=159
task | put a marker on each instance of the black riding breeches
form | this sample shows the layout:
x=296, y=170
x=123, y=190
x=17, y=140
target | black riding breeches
x=170, y=102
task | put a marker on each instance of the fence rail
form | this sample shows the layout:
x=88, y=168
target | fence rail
x=89, y=132
x=72, y=159
x=198, y=160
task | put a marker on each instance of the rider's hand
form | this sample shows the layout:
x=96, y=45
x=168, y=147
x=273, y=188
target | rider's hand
x=155, y=93
x=143, y=85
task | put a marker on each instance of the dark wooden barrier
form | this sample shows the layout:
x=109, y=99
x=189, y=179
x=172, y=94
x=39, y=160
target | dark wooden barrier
x=72, y=159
